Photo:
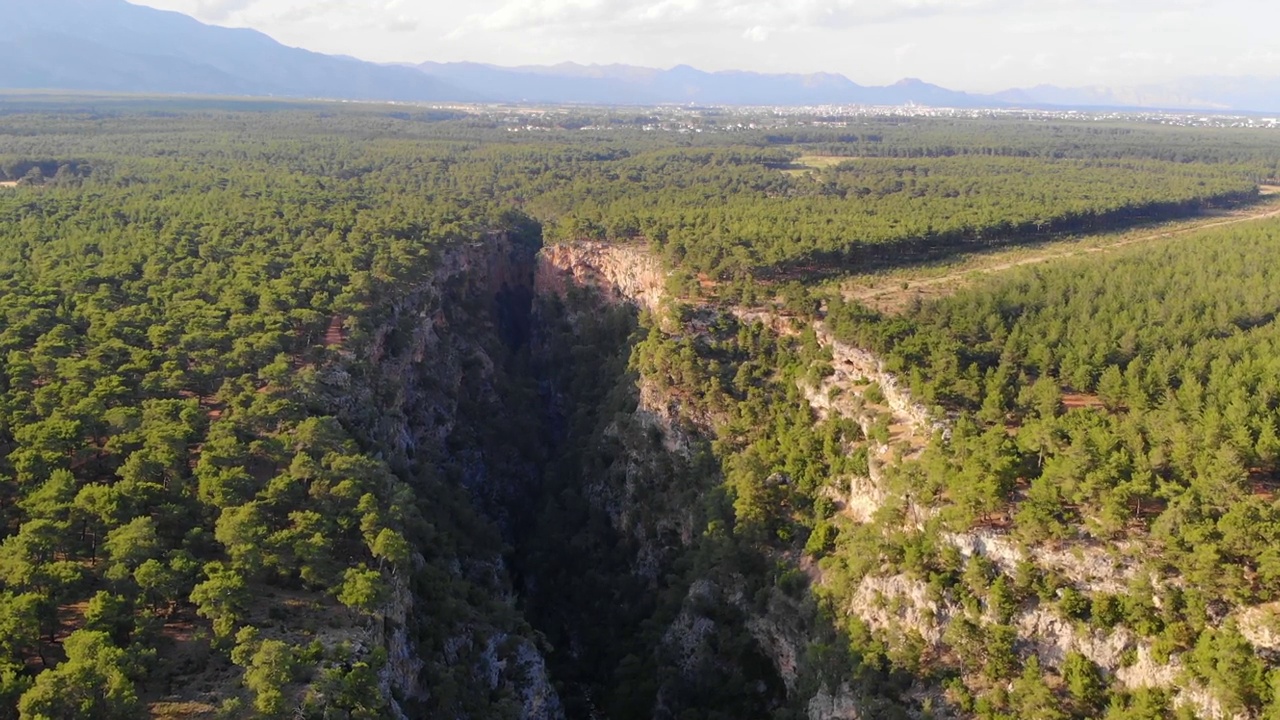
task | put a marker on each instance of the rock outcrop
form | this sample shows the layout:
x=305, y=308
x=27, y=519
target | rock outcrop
x=851, y=364
x=619, y=273
x=840, y=705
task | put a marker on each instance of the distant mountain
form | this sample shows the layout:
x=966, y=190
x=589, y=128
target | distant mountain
x=1205, y=93
x=111, y=45
x=624, y=84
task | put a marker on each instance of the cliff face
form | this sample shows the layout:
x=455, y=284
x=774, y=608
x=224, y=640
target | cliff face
x=619, y=273
x=896, y=607
x=586, y=279
x=428, y=387
x=470, y=382
x=647, y=499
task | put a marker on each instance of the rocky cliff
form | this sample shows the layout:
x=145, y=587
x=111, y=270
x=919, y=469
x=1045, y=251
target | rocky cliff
x=898, y=606
x=646, y=500
x=502, y=325
x=424, y=383
x=895, y=606
x=619, y=273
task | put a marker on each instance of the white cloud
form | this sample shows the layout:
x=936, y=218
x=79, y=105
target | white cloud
x=218, y=10
x=799, y=14
x=690, y=14
x=401, y=24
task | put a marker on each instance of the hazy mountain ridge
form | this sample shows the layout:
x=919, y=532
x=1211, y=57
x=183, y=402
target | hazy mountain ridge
x=112, y=45
x=574, y=83
x=1255, y=94
x=115, y=46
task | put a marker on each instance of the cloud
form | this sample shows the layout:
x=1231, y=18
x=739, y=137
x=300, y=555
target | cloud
x=216, y=11
x=747, y=15
x=401, y=25
x=220, y=10
x=380, y=15
x=756, y=33
x=698, y=14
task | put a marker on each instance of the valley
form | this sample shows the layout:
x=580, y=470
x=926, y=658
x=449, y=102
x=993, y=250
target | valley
x=351, y=412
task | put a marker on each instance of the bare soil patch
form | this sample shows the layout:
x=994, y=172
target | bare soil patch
x=194, y=678
x=1071, y=401
x=335, y=335
x=1264, y=482
x=8, y=183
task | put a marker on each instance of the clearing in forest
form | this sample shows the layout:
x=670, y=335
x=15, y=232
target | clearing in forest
x=808, y=163
x=818, y=162
x=893, y=291
x=8, y=183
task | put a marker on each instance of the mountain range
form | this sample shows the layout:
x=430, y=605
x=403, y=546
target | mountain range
x=627, y=84
x=114, y=46
x=111, y=45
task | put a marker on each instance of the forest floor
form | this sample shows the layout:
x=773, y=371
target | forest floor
x=896, y=290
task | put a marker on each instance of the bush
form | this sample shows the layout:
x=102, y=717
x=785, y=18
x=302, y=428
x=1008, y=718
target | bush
x=874, y=394
x=1073, y=604
x=1106, y=610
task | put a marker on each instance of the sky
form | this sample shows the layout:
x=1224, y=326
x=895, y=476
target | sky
x=973, y=45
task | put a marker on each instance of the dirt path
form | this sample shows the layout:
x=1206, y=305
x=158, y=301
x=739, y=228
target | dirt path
x=899, y=292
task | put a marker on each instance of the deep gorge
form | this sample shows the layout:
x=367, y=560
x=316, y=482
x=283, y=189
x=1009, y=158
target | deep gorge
x=605, y=491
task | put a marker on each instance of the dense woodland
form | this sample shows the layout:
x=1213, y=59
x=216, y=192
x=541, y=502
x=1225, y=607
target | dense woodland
x=197, y=458
x=713, y=207
x=169, y=446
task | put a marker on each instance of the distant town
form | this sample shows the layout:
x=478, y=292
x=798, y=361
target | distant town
x=730, y=119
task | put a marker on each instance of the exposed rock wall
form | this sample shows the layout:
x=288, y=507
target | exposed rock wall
x=1260, y=625
x=894, y=604
x=408, y=387
x=403, y=670
x=840, y=705
x=661, y=428
x=1088, y=566
x=852, y=363
x=898, y=602
x=620, y=273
